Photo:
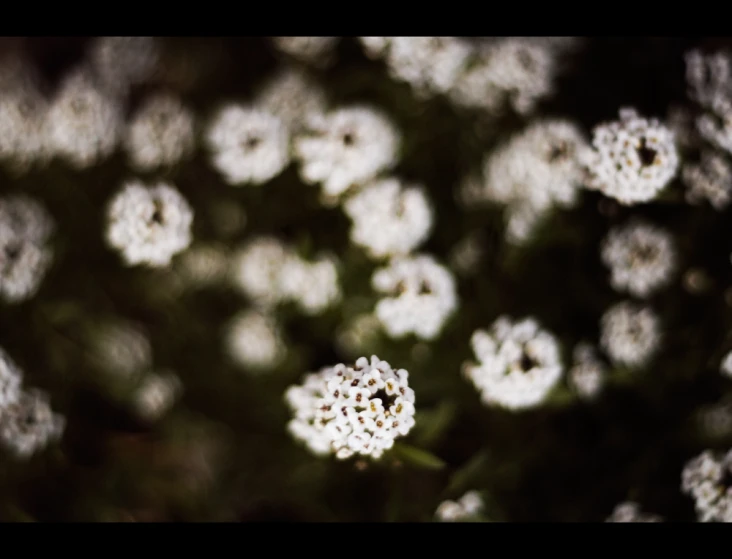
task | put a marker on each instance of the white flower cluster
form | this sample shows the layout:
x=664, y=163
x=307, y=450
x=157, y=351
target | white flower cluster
x=161, y=133
x=270, y=272
x=389, y=218
x=464, y=509
x=535, y=170
x=22, y=116
x=515, y=72
x=631, y=512
x=121, y=62
x=423, y=296
x=706, y=479
x=346, y=410
x=587, y=374
x=149, y=225
x=291, y=95
x=518, y=363
x=27, y=422
x=710, y=179
x=249, y=145
x=641, y=258
x=254, y=341
x=313, y=50
x=634, y=158
x=630, y=334
x=83, y=124
x=25, y=254
x=345, y=148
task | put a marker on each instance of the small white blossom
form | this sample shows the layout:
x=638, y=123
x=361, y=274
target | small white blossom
x=641, y=258
x=634, y=158
x=388, y=218
x=709, y=180
x=518, y=363
x=587, y=375
x=253, y=340
x=313, y=50
x=422, y=297
x=156, y=395
x=704, y=479
x=630, y=334
x=149, y=225
x=335, y=412
x=161, y=133
x=83, y=124
x=313, y=285
x=291, y=95
x=631, y=512
x=11, y=379
x=25, y=254
x=346, y=147
x=28, y=424
x=248, y=145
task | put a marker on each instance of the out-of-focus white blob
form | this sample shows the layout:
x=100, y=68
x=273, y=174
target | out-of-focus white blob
x=253, y=340
x=156, y=394
x=630, y=334
x=291, y=95
x=318, y=51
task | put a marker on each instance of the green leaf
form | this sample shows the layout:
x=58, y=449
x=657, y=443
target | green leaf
x=417, y=457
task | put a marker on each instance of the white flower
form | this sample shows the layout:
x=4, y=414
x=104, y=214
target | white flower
x=313, y=286
x=389, y=219
x=704, y=479
x=313, y=50
x=710, y=180
x=375, y=47
x=25, y=254
x=518, y=363
x=291, y=95
x=11, y=379
x=464, y=509
x=149, y=225
x=630, y=334
x=631, y=512
x=336, y=412
x=423, y=297
x=83, y=125
x=161, y=133
x=248, y=145
x=587, y=375
x=28, y=424
x=634, y=158
x=641, y=258
x=253, y=340
x=257, y=270
x=346, y=147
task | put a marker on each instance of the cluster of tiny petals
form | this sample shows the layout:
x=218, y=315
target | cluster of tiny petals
x=270, y=272
x=161, y=133
x=313, y=50
x=629, y=511
x=634, y=158
x=345, y=148
x=518, y=363
x=464, y=509
x=352, y=410
x=149, y=224
x=587, y=374
x=254, y=341
x=25, y=254
x=249, y=145
x=83, y=124
x=536, y=169
x=388, y=218
x=710, y=180
x=421, y=296
x=630, y=334
x=705, y=479
x=641, y=258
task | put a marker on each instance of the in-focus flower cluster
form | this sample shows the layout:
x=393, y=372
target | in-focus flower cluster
x=27, y=422
x=518, y=363
x=149, y=225
x=706, y=478
x=641, y=258
x=270, y=272
x=634, y=158
x=422, y=296
x=25, y=254
x=347, y=411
